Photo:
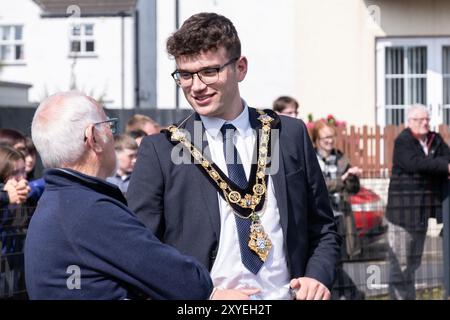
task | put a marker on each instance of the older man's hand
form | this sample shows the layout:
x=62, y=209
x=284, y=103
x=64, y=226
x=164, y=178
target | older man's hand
x=309, y=289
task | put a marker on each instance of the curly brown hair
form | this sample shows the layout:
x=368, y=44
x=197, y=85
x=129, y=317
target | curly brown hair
x=204, y=32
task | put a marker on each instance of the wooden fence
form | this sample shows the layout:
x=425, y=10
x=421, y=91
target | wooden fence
x=371, y=148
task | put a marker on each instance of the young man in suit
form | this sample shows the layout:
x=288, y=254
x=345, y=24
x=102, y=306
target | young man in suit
x=259, y=221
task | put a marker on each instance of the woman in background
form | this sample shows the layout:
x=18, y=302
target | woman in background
x=13, y=221
x=342, y=181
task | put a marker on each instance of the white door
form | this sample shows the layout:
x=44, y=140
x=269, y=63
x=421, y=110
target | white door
x=413, y=70
x=443, y=47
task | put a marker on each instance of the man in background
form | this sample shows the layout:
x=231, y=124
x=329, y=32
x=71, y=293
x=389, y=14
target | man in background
x=126, y=152
x=144, y=123
x=420, y=166
x=286, y=106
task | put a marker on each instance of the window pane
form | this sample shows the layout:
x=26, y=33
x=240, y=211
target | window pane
x=76, y=30
x=394, y=60
x=446, y=75
x=394, y=92
x=18, y=32
x=89, y=29
x=5, y=52
x=417, y=60
x=6, y=34
x=90, y=46
x=446, y=59
x=446, y=84
x=75, y=46
x=19, y=52
x=447, y=90
x=446, y=116
x=417, y=91
x=395, y=116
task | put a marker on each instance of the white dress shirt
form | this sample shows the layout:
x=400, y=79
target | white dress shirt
x=228, y=272
x=424, y=145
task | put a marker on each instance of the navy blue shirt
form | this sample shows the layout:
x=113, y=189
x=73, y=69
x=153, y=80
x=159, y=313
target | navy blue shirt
x=84, y=243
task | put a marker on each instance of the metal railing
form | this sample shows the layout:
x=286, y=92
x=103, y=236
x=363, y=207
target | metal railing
x=364, y=274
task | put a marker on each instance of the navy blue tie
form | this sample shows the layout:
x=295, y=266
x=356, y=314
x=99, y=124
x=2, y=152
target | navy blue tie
x=236, y=174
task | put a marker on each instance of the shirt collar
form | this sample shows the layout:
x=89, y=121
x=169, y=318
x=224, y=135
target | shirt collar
x=241, y=122
x=124, y=177
x=63, y=177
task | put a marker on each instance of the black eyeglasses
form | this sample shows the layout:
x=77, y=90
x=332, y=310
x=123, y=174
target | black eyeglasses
x=113, y=125
x=207, y=76
x=328, y=138
x=421, y=119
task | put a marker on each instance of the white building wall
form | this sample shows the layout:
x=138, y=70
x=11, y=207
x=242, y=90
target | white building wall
x=48, y=64
x=17, y=13
x=267, y=32
x=336, y=60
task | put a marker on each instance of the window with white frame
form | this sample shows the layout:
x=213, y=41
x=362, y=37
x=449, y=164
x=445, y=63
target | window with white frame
x=82, y=40
x=413, y=70
x=405, y=76
x=446, y=83
x=11, y=43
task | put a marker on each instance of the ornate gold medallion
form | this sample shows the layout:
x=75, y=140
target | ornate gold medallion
x=177, y=134
x=259, y=189
x=259, y=240
x=265, y=118
x=234, y=197
x=248, y=201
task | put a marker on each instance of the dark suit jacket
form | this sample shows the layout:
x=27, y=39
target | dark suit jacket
x=415, y=188
x=181, y=206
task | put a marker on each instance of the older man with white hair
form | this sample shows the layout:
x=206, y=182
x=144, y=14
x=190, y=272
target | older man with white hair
x=420, y=166
x=83, y=242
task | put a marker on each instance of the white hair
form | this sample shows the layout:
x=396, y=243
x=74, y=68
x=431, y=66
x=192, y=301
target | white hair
x=412, y=109
x=59, y=125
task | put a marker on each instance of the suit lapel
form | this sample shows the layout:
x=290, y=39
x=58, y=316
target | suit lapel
x=206, y=190
x=279, y=183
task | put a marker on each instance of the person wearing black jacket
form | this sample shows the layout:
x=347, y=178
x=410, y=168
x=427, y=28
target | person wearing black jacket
x=342, y=181
x=420, y=166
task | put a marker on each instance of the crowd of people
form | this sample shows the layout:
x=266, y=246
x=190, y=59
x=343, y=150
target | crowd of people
x=136, y=224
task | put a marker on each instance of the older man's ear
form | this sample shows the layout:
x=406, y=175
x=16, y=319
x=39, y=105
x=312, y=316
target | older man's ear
x=91, y=141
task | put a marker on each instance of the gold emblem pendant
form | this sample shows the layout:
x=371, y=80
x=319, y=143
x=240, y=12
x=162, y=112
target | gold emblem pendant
x=234, y=197
x=259, y=189
x=259, y=240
